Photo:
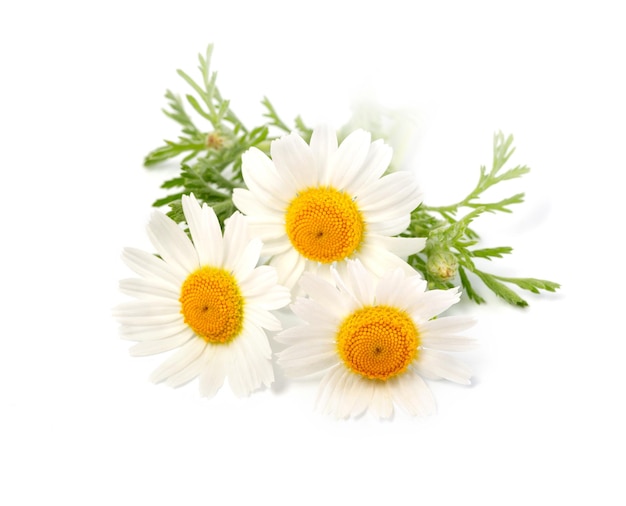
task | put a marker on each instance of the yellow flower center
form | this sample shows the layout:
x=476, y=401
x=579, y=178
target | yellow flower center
x=324, y=224
x=212, y=305
x=378, y=342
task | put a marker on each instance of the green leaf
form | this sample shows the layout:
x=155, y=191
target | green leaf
x=194, y=103
x=176, y=211
x=500, y=289
x=167, y=200
x=468, y=289
x=173, y=183
x=532, y=284
x=490, y=253
x=202, y=93
x=514, y=173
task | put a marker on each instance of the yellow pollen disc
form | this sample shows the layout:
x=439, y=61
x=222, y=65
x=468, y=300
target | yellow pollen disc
x=324, y=224
x=212, y=305
x=378, y=342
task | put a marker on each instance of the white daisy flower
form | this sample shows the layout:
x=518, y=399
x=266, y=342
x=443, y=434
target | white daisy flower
x=321, y=204
x=205, y=296
x=374, y=339
x=399, y=127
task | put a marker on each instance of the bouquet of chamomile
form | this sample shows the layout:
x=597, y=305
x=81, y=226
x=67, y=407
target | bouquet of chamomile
x=317, y=223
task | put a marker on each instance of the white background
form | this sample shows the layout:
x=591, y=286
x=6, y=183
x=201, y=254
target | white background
x=81, y=89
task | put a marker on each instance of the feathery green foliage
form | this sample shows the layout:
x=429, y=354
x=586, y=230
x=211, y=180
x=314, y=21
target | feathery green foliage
x=210, y=168
x=452, y=241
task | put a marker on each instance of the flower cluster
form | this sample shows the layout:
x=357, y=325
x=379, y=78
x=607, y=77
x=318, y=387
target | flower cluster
x=314, y=223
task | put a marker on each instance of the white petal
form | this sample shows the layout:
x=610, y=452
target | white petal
x=245, y=371
x=325, y=293
x=442, y=333
x=384, y=225
x=312, y=311
x=147, y=312
x=155, y=346
x=381, y=404
x=181, y=359
x=376, y=163
x=243, y=264
x=192, y=370
x=323, y=146
x=352, y=402
x=149, y=320
x=412, y=394
x=379, y=260
x=397, y=191
x=361, y=282
x=259, y=281
x=327, y=385
x=292, y=156
x=398, y=290
x=362, y=392
x=450, y=343
x=276, y=247
x=249, y=204
x=147, y=307
x=275, y=298
x=172, y=243
x=153, y=332
x=388, y=292
x=305, y=349
x=258, y=354
x=320, y=270
x=438, y=365
x=431, y=303
x=302, y=368
x=289, y=266
x=306, y=333
x=262, y=318
x=237, y=236
x=349, y=159
x=152, y=267
x=236, y=369
x=263, y=228
x=400, y=246
x=335, y=392
x=257, y=341
x=155, y=306
x=148, y=288
x=273, y=190
x=446, y=325
x=341, y=279
x=205, y=231
x=212, y=377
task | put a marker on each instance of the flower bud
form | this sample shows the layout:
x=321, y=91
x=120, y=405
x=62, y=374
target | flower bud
x=442, y=265
x=215, y=140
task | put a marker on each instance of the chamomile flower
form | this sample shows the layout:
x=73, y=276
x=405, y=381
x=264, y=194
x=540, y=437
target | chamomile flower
x=205, y=297
x=374, y=340
x=320, y=204
x=399, y=127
